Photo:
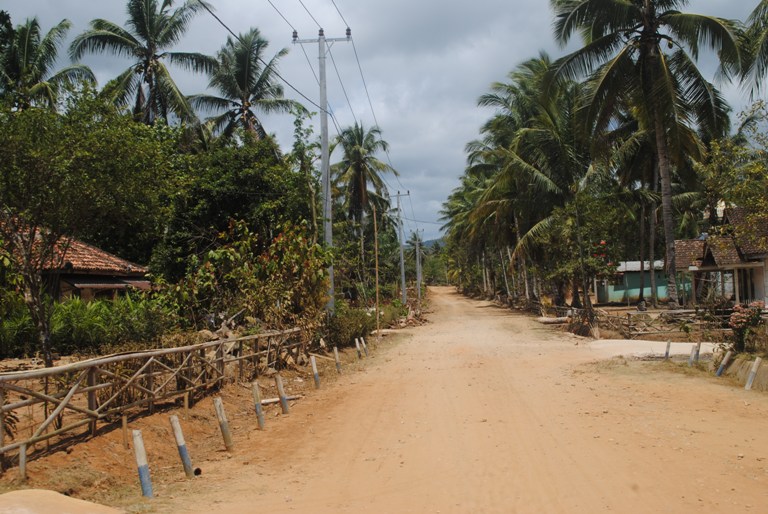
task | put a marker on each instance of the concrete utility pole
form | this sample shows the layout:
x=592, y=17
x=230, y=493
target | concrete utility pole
x=404, y=296
x=325, y=157
x=418, y=268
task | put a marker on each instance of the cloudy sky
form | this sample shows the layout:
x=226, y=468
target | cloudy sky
x=425, y=63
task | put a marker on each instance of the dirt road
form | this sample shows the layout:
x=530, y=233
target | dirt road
x=482, y=410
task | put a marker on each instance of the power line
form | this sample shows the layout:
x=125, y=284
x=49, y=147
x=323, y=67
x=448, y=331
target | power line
x=370, y=104
x=309, y=63
x=281, y=15
x=340, y=15
x=425, y=222
x=342, y=85
x=294, y=88
x=310, y=14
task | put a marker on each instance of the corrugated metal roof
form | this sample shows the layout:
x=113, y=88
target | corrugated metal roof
x=634, y=266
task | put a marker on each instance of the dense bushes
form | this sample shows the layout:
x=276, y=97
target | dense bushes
x=85, y=327
x=347, y=323
x=276, y=283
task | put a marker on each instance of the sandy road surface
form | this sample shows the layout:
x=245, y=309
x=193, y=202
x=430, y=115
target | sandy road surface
x=482, y=410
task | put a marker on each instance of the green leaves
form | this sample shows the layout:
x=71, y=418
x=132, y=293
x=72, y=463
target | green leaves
x=282, y=282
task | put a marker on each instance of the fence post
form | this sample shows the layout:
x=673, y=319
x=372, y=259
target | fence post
x=220, y=365
x=151, y=385
x=357, y=347
x=629, y=325
x=724, y=363
x=2, y=428
x=141, y=462
x=698, y=352
x=124, y=423
x=693, y=354
x=223, y=424
x=666, y=353
x=92, y=398
x=365, y=347
x=182, y=446
x=315, y=374
x=336, y=358
x=281, y=393
x=257, y=404
x=23, y=462
x=753, y=373
x=241, y=362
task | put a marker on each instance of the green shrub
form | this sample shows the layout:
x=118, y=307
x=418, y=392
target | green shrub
x=17, y=334
x=347, y=323
x=87, y=327
x=77, y=325
x=138, y=318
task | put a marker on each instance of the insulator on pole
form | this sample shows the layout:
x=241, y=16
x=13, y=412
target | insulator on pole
x=349, y=32
x=321, y=33
x=295, y=35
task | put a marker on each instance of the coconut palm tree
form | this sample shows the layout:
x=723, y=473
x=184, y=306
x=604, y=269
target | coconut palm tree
x=648, y=48
x=152, y=29
x=26, y=65
x=360, y=170
x=755, y=43
x=246, y=84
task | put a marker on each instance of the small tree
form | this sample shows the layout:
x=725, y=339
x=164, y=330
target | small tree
x=56, y=179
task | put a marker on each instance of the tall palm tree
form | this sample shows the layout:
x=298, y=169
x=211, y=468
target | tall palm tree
x=360, y=170
x=246, y=84
x=152, y=29
x=26, y=65
x=756, y=44
x=647, y=48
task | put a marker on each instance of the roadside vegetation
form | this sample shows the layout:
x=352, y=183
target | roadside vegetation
x=612, y=152
x=193, y=186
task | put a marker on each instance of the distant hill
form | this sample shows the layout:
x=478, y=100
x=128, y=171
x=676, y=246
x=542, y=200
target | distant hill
x=432, y=242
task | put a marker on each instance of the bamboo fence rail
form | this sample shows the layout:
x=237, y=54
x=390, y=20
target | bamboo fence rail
x=53, y=405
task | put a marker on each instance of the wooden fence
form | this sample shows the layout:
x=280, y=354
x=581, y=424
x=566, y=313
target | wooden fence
x=53, y=405
x=648, y=324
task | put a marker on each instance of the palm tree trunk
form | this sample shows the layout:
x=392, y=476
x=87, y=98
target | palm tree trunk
x=642, y=254
x=652, y=241
x=513, y=267
x=667, y=212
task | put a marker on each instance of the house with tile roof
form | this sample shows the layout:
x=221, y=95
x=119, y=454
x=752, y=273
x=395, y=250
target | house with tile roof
x=733, y=263
x=89, y=273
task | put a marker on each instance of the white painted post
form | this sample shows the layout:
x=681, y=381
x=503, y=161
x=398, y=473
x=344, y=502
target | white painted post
x=257, y=404
x=223, y=424
x=141, y=462
x=23, y=462
x=281, y=394
x=698, y=352
x=357, y=347
x=666, y=354
x=693, y=354
x=724, y=363
x=753, y=373
x=315, y=374
x=182, y=447
x=336, y=358
x=365, y=346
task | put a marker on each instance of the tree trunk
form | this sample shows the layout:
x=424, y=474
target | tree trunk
x=576, y=300
x=642, y=254
x=667, y=212
x=652, y=241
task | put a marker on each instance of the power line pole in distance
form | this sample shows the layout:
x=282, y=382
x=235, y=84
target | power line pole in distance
x=403, y=296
